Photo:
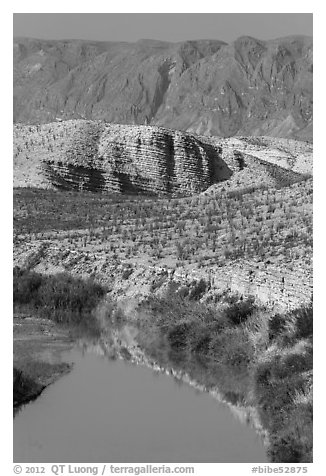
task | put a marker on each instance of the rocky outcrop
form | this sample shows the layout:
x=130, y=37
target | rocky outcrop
x=262, y=162
x=271, y=284
x=289, y=154
x=96, y=156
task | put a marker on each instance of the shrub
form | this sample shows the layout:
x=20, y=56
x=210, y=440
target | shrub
x=239, y=312
x=231, y=348
x=178, y=335
x=285, y=449
x=157, y=284
x=198, y=290
x=276, y=326
x=201, y=345
x=26, y=286
x=303, y=322
x=183, y=291
x=284, y=402
x=60, y=297
x=126, y=273
x=294, y=363
x=293, y=326
x=293, y=443
x=24, y=388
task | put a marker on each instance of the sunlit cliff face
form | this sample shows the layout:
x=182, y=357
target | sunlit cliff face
x=95, y=156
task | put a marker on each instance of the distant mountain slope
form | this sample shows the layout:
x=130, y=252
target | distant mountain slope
x=249, y=87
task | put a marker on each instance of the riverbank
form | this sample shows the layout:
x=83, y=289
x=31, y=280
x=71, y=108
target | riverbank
x=122, y=344
x=49, y=313
x=38, y=346
x=110, y=409
x=257, y=361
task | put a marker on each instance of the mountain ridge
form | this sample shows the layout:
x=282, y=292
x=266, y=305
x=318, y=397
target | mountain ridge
x=209, y=87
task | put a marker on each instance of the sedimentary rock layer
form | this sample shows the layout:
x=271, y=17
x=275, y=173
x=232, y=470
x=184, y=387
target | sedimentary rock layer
x=96, y=156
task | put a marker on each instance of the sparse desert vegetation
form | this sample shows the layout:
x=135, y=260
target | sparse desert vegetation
x=259, y=235
x=257, y=222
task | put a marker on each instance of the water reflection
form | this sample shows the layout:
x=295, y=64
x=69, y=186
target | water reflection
x=112, y=410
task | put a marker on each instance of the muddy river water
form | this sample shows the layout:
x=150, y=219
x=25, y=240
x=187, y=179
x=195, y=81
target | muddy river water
x=114, y=411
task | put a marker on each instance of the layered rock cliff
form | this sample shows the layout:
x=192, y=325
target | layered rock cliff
x=96, y=156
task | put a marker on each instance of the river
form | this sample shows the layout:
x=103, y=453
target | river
x=108, y=410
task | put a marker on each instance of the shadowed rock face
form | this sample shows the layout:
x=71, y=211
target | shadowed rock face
x=74, y=177
x=95, y=156
x=249, y=87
